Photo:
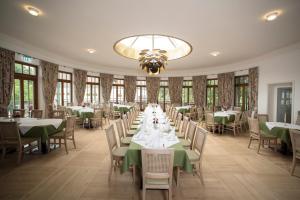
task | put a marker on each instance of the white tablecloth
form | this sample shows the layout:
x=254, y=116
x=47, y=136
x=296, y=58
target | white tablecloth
x=225, y=113
x=182, y=107
x=271, y=125
x=25, y=124
x=121, y=106
x=158, y=136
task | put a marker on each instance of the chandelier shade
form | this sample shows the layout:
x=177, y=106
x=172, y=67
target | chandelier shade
x=152, y=51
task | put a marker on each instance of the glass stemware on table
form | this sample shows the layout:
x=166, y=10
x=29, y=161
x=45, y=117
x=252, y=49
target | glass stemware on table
x=155, y=130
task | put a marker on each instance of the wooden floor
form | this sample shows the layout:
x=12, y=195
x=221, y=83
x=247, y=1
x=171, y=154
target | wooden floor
x=231, y=171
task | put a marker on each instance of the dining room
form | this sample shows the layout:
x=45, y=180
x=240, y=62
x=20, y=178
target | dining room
x=149, y=99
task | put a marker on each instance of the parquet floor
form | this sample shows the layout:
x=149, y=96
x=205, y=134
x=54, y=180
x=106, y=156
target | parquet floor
x=231, y=171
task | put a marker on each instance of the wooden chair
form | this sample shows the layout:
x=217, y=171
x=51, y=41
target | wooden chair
x=18, y=113
x=58, y=114
x=187, y=142
x=178, y=122
x=263, y=118
x=124, y=141
x=295, y=138
x=128, y=132
x=117, y=153
x=195, y=154
x=66, y=134
x=236, y=125
x=237, y=108
x=10, y=137
x=182, y=131
x=210, y=122
x=192, y=114
x=256, y=134
x=37, y=113
x=157, y=170
x=97, y=119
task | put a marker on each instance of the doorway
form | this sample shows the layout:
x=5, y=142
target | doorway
x=284, y=104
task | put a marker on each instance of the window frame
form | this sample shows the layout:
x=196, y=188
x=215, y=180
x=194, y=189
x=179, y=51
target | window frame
x=244, y=96
x=117, y=88
x=62, y=86
x=214, y=87
x=189, y=91
x=91, y=88
x=139, y=89
x=22, y=77
x=164, y=87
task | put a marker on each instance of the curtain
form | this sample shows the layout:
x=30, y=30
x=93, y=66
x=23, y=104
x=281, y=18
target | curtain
x=226, y=89
x=199, y=90
x=152, y=85
x=130, y=88
x=49, y=80
x=80, y=84
x=175, y=89
x=7, y=72
x=106, y=86
x=253, y=88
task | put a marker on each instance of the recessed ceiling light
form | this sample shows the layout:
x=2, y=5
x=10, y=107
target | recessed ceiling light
x=91, y=50
x=215, y=53
x=270, y=16
x=33, y=11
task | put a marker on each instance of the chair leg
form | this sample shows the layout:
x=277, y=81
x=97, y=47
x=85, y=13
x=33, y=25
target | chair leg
x=259, y=143
x=144, y=193
x=170, y=193
x=275, y=145
x=200, y=173
x=66, y=146
x=110, y=170
x=3, y=152
x=293, y=165
x=73, y=139
x=20, y=155
x=250, y=140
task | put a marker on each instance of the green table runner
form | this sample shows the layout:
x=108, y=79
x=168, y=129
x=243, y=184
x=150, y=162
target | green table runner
x=133, y=157
x=282, y=133
x=224, y=120
x=122, y=110
x=43, y=131
x=184, y=110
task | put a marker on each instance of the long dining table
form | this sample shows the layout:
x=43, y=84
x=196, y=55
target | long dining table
x=159, y=135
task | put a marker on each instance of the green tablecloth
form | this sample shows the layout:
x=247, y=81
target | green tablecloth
x=184, y=110
x=224, y=120
x=122, y=109
x=83, y=115
x=43, y=131
x=133, y=157
x=282, y=133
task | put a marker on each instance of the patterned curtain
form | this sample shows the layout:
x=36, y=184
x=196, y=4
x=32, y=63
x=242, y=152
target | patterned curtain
x=175, y=89
x=49, y=79
x=226, y=89
x=199, y=90
x=106, y=85
x=152, y=84
x=7, y=72
x=253, y=88
x=80, y=84
x=130, y=88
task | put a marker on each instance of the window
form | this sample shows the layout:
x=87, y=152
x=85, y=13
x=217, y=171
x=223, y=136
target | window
x=187, y=93
x=163, y=95
x=117, y=94
x=63, y=94
x=212, y=93
x=92, y=90
x=141, y=94
x=24, y=95
x=241, y=92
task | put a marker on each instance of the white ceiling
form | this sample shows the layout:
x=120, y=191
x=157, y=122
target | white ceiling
x=233, y=27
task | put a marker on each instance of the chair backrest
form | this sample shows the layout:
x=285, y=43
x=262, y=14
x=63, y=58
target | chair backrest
x=199, y=142
x=298, y=118
x=70, y=125
x=158, y=164
x=237, y=108
x=237, y=117
x=18, y=113
x=69, y=112
x=178, y=120
x=295, y=138
x=111, y=138
x=263, y=118
x=191, y=131
x=125, y=122
x=37, y=113
x=209, y=118
x=184, y=125
x=120, y=129
x=174, y=116
x=9, y=134
x=58, y=114
x=253, y=125
x=98, y=113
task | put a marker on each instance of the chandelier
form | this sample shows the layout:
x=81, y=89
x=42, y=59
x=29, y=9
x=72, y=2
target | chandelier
x=152, y=51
